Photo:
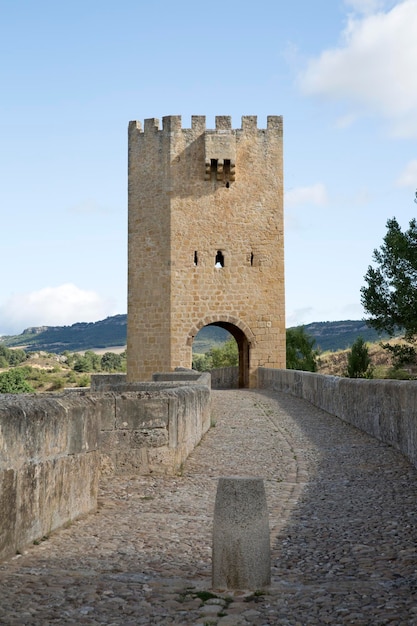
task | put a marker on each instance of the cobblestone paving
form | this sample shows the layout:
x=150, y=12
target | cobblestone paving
x=343, y=533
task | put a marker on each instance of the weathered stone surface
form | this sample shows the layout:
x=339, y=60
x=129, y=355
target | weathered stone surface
x=341, y=514
x=385, y=409
x=49, y=464
x=8, y=507
x=225, y=378
x=136, y=410
x=241, y=553
x=164, y=423
x=54, y=447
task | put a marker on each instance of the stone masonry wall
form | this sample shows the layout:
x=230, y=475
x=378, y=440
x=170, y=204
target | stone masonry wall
x=154, y=430
x=386, y=409
x=53, y=449
x=225, y=378
x=49, y=464
x=196, y=196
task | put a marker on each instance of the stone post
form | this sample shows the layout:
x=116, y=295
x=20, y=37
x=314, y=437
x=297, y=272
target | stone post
x=241, y=545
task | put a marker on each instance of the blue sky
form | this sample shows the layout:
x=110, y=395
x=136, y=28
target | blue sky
x=342, y=73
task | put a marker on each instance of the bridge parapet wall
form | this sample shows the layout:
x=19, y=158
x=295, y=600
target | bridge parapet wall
x=154, y=431
x=385, y=409
x=225, y=378
x=54, y=447
x=49, y=464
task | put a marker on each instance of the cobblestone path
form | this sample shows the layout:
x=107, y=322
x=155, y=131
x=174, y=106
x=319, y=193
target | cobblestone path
x=343, y=533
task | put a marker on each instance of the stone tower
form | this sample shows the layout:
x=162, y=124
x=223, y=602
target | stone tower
x=206, y=242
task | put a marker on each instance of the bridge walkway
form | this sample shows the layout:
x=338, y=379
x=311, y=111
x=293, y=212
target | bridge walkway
x=343, y=533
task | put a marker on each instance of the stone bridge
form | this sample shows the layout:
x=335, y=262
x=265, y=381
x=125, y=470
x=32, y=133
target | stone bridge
x=341, y=508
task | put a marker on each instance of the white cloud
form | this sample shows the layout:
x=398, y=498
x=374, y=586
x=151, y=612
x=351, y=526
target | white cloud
x=375, y=66
x=297, y=317
x=365, y=6
x=315, y=194
x=52, y=306
x=408, y=178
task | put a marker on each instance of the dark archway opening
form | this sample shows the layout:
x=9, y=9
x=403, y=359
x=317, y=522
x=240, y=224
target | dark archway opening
x=242, y=346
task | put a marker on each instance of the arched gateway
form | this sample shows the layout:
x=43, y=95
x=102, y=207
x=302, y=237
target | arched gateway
x=241, y=333
x=206, y=242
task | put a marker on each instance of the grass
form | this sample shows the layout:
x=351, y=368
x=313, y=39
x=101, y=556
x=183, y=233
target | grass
x=205, y=595
x=39, y=541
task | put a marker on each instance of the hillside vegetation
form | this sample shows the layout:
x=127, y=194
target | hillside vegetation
x=81, y=336
x=55, y=357
x=340, y=335
x=113, y=332
x=43, y=371
x=335, y=363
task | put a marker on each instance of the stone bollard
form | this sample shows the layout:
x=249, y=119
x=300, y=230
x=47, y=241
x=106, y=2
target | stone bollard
x=241, y=547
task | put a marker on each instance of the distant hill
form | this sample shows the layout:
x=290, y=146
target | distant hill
x=81, y=336
x=208, y=337
x=340, y=335
x=113, y=330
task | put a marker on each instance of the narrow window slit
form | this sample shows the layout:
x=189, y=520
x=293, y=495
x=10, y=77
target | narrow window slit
x=219, y=262
x=251, y=259
x=195, y=257
x=226, y=172
x=213, y=169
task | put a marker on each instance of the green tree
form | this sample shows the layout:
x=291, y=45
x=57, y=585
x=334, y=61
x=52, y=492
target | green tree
x=301, y=354
x=11, y=357
x=359, y=361
x=401, y=354
x=87, y=362
x=390, y=293
x=225, y=356
x=111, y=362
x=17, y=356
x=82, y=364
x=14, y=381
x=201, y=362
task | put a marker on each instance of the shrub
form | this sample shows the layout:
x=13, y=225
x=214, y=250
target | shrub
x=14, y=381
x=359, y=361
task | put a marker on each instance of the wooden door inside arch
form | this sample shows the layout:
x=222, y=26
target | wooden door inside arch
x=243, y=349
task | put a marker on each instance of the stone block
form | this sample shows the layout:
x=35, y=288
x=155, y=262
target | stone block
x=134, y=412
x=241, y=543
x=149, y=438
x=132, y=461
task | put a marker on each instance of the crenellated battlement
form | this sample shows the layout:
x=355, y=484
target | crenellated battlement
x=173, y=123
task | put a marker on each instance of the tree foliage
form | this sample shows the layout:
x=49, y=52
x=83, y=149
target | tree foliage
x=359, y=361
x=112, y=362
x=14, y=381
x=226, y=355
x=402, y=354
x=201, y=363
x=301, y=354
x=390, y=295
x=10, y=358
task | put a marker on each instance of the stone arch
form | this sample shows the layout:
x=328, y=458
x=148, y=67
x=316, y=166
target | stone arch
x=244, y=337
